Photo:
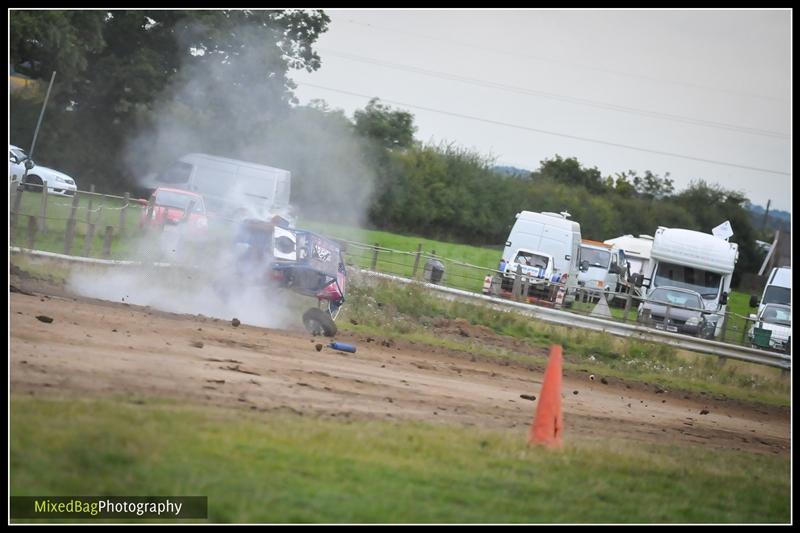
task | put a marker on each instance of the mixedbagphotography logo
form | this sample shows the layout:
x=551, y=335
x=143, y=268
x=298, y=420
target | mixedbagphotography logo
x=163, y=507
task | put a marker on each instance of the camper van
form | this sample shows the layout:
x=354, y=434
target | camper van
x=778, y=289
x=696, y=261
x=231, y=187
x=601, y=269
x=552, y=242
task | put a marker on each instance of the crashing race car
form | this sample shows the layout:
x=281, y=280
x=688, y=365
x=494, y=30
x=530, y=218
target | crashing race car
x=276, y=256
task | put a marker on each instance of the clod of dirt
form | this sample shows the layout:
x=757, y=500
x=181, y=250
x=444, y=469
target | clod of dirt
x=704, y=412
x=318, y=347
x=604, y=381
x=370, y=339
x=530, y=397
x=235, y=322
x=388, y=343
x=354, y=321
x=113, y=331
x=574, y=392
x=44, y=318
x=197, y=344
x=660, y=391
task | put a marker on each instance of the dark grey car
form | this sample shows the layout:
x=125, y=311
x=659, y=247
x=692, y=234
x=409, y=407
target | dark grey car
x=685, y=309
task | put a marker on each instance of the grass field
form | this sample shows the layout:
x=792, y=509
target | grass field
x=408, y=312
x=281, y=468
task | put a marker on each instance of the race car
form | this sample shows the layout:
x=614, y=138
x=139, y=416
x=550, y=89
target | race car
x=273, y=255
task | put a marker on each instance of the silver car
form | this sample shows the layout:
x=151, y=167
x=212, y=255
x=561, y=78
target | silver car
x=685, y=310
x=774, y=320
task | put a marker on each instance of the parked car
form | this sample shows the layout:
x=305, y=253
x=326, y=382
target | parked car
x=57, y=182
x=686, y=314
x=169, y=208
x=777, y=320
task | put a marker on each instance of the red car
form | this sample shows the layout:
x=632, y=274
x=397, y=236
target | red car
x=169, y=208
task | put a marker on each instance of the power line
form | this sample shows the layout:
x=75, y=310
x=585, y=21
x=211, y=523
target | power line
x=554, y=96
x=557, y=134
x=572, y=64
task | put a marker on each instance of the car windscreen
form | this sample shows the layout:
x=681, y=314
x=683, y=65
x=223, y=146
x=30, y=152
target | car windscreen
x=178, y=200
x=777, y=315
x=679, y=298
x=19, y=154
x=777, y=295
x=596, y=258
x=705, y=283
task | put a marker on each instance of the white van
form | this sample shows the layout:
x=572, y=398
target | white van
x=697, y=261
x=230, y=185
x=551, y=237
x=778, y=289
x=601, y=269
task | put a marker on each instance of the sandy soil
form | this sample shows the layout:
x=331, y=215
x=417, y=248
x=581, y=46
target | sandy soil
x=94, y=348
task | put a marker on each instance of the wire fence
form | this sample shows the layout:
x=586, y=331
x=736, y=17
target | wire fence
x=98, y=225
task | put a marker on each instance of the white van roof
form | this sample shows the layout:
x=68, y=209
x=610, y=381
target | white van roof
x=196, y=157
x=634, y=246
x=781, y=276
x=551, y=219
x=694, y=249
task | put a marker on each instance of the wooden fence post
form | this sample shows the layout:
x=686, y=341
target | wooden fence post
x=43, y=208
x=87, y=244
x=515, y=289
x=416, y=261
x=122, y=211
x=70, y=234
x=107, y=242
x=89, y=207
x=627, y=307
x=32, y=225
x=375, y=257
x=17, y=203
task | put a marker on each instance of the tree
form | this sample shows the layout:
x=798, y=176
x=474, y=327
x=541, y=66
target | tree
x=390, y=129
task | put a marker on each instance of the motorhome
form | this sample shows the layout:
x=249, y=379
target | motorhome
x=778, y=289
x=230, y=186
x=552, y=241
x=697, y=261
x=601, y=269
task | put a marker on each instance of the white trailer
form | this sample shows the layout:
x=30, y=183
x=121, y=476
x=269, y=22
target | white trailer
x=697, y=261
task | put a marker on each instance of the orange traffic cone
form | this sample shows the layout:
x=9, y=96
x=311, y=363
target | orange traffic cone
x=547, y=425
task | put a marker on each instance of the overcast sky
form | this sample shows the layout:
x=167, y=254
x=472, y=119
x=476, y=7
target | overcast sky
x=619, y=90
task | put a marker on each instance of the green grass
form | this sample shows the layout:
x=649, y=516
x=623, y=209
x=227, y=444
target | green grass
x=457, y=258
x=280, y=468
x=409, y=312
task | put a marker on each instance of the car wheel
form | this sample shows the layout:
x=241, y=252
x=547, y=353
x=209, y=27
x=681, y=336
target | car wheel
x=318, y=322
x=33, y=183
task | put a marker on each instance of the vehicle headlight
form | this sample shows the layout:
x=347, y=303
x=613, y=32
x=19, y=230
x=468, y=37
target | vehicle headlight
x=693, y=321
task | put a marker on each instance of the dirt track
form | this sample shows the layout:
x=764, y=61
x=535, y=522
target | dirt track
x=95, y=348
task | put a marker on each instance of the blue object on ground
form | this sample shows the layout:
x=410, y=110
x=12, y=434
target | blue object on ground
x=343, y=347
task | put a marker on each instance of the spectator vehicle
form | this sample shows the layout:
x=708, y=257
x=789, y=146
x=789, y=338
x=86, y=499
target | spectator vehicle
x=772, y=328
x=676, y=310
x=167, y=207
x=32, y=180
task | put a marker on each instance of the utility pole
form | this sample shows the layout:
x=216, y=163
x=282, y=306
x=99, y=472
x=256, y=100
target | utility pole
x=41, y=115
x=766, y=216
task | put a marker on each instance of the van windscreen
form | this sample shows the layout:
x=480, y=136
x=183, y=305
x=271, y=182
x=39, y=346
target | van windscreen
x=777, y=295
x=178, y=172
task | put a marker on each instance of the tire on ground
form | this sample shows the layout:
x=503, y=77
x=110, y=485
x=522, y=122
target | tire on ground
x=318, y=322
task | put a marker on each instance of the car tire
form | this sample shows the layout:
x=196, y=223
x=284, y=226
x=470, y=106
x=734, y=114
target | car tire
x=33, y=183
x=318, y=322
